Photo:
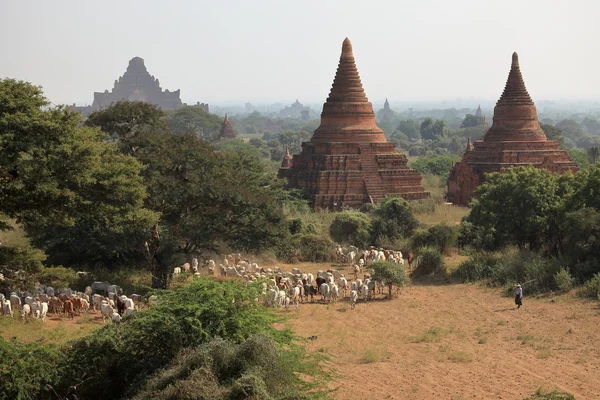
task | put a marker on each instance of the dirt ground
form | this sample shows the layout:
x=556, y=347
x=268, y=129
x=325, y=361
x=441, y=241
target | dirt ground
x=455, y=341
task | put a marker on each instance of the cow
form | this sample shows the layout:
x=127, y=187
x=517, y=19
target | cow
x=68, y=308
x=353, y=299
x=310, y=290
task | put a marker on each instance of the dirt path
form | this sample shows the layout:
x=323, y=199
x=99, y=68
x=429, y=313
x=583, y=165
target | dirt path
x=478, y=346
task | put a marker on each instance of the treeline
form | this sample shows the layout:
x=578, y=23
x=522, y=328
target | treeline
x=129, y=187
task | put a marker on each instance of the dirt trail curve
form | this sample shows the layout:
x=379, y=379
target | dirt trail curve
x=478, y=346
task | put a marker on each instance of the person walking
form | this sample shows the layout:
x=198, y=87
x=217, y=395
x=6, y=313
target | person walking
x=518, y=295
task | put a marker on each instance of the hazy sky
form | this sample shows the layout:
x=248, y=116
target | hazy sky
x=225, y=51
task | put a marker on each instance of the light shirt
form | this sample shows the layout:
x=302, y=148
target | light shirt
x=519, y=292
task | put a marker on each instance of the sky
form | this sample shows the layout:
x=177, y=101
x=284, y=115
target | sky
x=264, y=51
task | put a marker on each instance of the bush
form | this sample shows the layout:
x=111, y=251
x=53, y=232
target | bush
x=253, y=369
x=19, y=264
x=479, y=266
x=295, y=225
x=314, y=248
x=351, y=227
x=430, y=262
x=542, y=394
x=563, y=280
x=390, y=274
x=58, y=277
x=393, y=219
x=591, y=288
x=442, y=237
x=124, y=354
x=26, y=369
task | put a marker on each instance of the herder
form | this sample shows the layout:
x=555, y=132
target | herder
x=518, y=296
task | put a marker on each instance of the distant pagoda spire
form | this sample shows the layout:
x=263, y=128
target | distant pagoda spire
x=515, y=115
x=287, y=158
x=469, y=145
x=479, y=112
x=347, y=114
x=386, y=105
x=226, y=129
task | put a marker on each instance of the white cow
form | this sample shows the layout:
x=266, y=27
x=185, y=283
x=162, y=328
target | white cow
x=343, y=284
x=115, y=317
x=26, y=311
x=364, y=290
x=106, y=310
x=43, y=311
x=334, y=292
x=7, y=308
x=325, y=294
x=176, y=270
x=195, y=264
x=97, y=301
x=353, y=299
x=15, y=301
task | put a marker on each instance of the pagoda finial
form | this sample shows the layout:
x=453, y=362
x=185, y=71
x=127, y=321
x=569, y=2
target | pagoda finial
x=226, y=129
x=347, y=48
x=515, y=60
x=287, y=158
x=469, y=145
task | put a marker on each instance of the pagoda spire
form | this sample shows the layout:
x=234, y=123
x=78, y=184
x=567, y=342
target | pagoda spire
x=226, y=129
x=469, y=145
x=347, y=114
x=515, y=91
x=287, y=158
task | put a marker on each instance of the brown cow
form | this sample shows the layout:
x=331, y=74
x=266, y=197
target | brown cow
x=63, y=297
x=76, y=304
x=68, y=308
x=55, y=305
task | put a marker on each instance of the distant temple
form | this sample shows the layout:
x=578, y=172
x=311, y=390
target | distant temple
x=479, y=114
x=514, y=139
x=226, y=129
x=137, y=84
x=386, y=113
x=348, y=161
x=296, y=111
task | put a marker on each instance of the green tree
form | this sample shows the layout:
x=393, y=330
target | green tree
x=410, y=128
x=351, y=227
x=436, y=165
x=593, y=154
x=571, y=129
x=390, y=274
x=432, y=130
x=580, y=157
x=553, y=133
x=189, y=120
x=472, y=120
x=393, y=219
x=77, y=197
x=517, y=206
x=127, y=118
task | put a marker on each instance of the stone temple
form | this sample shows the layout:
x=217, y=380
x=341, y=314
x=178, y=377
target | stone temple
x=514, y=139
x=348, y=161
x=227, y=131
x=137, y=84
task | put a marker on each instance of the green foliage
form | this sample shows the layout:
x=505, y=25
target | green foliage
x=124, y=354
x=480, y=265
x=410, y=128
x=315, y=248
x=393, y=218
x=472, y=120
x=580, y=157
x=125, y=119
x=58, y=277
x=351, y=227
x=442, y=237
x=19, y=264
x=190, y=120
x=550, y=395
x=518, y=206
x=432, y=130
x=563, y=280
x=553, y=133
x=435, y=165
x=253, y=369
x=430, y=262
x=591, y=288
x=295, y=225
x=390, y=274
x=26, y=370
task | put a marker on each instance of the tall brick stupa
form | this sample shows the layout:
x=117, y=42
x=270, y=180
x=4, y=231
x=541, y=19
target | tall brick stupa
x=514, y=139
x=349, y=161
x=226, y=129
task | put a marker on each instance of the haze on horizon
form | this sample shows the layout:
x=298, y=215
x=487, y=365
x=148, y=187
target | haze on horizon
x=262, y=51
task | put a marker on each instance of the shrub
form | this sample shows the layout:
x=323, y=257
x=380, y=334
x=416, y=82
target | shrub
x=26, y=369
x=563, y=280
x=543, y=394
x=442, y=237
x=220, y=369
x=479, y=266
x=351, y=227
x=295, y=225
x=390, y=274
x=430, y=262
x=58, y=277
x=591, y=288
x=124, y=354
x=315, y=248
x=393, y=219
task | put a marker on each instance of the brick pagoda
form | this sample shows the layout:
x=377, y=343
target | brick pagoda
x=348, y=161
x=514, y=139
x=226, y=129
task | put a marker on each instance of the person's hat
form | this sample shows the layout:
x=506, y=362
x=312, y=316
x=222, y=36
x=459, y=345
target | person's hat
x=518, y=285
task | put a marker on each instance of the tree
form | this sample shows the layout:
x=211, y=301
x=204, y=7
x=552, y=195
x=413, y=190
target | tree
x=472, y=120
x=435, y=165
x=517, y=206
x=571, y=129
x=77, y=197
x=189, y=120
x=351, y=227
x=410, y=128
x=553, y=133
x=390, y=274
x=432, y=130
x=127, y=118
x=393, y=218
x=592, y=125
x=593, y=154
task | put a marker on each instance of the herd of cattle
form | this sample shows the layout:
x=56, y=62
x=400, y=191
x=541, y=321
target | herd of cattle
x=42, y=300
